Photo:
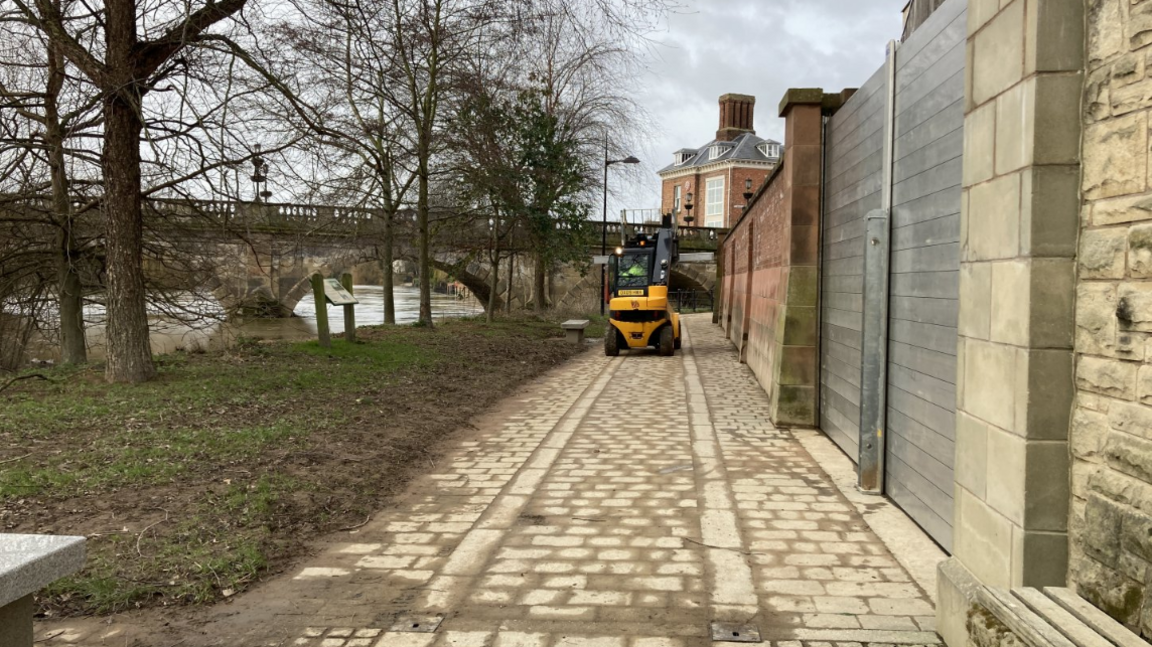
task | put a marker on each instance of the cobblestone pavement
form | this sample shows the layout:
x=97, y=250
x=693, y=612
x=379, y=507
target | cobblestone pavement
x=626, y=502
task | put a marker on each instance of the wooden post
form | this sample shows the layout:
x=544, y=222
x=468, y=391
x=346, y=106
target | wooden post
x=349, y=310
x=321, y=311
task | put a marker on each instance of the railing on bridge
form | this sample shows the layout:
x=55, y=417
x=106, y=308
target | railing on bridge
x=335, y=221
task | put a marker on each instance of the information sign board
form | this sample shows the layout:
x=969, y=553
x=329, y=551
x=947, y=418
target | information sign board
x=336, y=294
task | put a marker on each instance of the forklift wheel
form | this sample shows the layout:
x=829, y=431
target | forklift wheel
x=677, y=344
x=667, y=341
x=611, y=342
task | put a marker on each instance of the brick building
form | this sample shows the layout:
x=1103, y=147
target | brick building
x=718, y=173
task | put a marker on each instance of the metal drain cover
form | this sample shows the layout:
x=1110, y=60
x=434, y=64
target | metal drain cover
x=417, y=624
x=735, y=633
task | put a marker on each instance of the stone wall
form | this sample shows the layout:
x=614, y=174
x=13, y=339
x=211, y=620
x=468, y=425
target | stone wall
x=1019, y=218
x=1112, y=421
x=770, y=257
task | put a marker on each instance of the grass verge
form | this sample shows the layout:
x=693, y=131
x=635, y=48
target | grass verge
x=217, y=473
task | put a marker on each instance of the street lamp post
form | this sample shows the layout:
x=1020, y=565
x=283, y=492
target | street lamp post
x=604, y=220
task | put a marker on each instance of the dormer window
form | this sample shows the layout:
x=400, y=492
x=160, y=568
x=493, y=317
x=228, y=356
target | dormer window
x=771, y=150
x=683, y=155
x=716, y=150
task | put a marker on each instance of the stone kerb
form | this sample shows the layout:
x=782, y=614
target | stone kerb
x=29, y=563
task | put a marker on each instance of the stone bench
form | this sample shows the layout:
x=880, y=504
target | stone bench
x=1051, y=617
x=574, y=330
x=29, y=563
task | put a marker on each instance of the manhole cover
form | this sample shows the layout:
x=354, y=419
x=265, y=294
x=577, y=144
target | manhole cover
x=735, y=633
x=417, y=624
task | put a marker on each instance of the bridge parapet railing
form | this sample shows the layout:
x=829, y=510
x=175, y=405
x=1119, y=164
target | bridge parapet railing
x=341, y=220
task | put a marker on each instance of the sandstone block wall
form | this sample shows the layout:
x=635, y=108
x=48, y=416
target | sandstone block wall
x=1019, y=226
x=1111, y=524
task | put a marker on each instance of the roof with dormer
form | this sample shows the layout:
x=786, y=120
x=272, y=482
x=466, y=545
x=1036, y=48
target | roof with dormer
x=744, y=148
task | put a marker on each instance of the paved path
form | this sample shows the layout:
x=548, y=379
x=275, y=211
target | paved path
x=625, y=502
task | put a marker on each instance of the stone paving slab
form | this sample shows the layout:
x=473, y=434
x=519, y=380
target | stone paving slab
x=617, y=502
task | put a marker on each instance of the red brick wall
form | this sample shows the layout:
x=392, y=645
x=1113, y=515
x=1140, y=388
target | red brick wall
x=770, y=262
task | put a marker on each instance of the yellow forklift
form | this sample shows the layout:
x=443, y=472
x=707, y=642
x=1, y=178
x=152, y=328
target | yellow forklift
x=638, y=276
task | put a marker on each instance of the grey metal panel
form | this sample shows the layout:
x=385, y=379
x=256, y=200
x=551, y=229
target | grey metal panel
x=930, y=336
x=942, y=149
x=935, y=36
x=919, y=99
x=937, y=445
x=934, y=258
x=934, y=180
x=929, y=362
x=936, y=476
x=929, y=519
x=844, y=336
x=843, y=301
x=925, y=234
x=843, y=283
x=854, y=180
x=925, y=263
x=942, y=312
x=936, y=285
x=936, y=124
x=929, y=207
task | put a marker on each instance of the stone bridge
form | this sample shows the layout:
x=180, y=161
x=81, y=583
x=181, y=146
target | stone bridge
x=263, y=254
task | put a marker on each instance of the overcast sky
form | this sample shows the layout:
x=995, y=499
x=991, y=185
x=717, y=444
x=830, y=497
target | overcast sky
x=757, y=47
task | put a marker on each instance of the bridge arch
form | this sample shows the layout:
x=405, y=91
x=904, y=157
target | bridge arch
x=475, y=276
x=685, y=276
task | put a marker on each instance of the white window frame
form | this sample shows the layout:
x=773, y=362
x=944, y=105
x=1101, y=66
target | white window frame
x=771, y=151
x=717, y=151
x=714, y=202
x=676, y=199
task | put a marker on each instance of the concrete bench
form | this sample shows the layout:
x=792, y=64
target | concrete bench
x=29, y=563
x=1055, y=617
x=574, y=330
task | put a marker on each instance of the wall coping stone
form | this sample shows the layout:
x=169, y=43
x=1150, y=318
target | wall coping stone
x=28, y=563
x=801, y=96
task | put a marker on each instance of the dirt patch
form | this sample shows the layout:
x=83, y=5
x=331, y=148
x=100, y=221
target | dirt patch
x=219, y=473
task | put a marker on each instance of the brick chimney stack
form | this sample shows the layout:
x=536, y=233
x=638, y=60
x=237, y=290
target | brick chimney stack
x=735, y=116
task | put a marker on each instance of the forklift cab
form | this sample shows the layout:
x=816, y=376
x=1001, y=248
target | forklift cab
x=630, y=272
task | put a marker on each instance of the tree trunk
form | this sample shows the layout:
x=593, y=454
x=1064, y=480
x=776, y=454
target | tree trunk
x=540, y=300
x=493, y=297
x=422, y=228
x=69, y=291
x=73, y=348
x=386, y=266
x=511, y=275
x=129, y=353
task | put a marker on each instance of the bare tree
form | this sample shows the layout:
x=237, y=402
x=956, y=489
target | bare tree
x=46, y=119
x=360, y=140
x=125, y=68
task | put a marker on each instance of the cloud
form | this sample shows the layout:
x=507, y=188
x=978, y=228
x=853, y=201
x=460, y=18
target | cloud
x=757, y=47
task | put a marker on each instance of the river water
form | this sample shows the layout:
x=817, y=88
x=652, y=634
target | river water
x=171, y=332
